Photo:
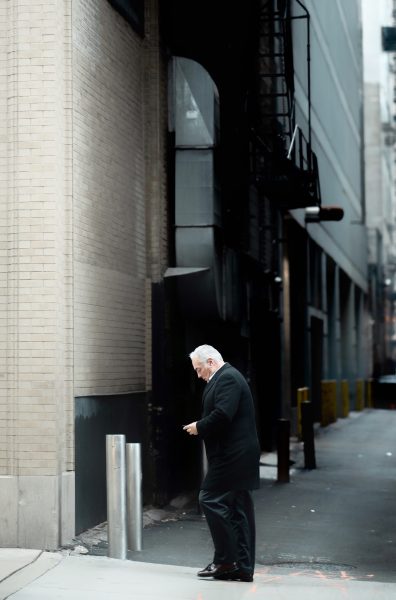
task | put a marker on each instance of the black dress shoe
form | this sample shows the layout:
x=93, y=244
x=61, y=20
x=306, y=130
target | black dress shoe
x=236, y=575
x=207, y=571
x=213, y=570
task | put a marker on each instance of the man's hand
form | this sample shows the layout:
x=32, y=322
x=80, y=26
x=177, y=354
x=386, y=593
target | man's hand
x=191, y=428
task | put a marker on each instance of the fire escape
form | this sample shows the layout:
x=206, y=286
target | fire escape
x=284, y=167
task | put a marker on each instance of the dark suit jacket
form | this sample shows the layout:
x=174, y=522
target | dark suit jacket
x=228, y=428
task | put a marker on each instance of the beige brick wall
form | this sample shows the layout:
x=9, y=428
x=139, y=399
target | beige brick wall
x=119, y=103
x=35, y=308
x=156, y=124
x=36, y=401
x=4, y=405
x=156, y=117
x=83, y=234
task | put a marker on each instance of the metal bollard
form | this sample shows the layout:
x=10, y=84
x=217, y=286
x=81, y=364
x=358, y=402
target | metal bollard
x=116, y=496
x=308, y=435
x=283, y=447
x=134, y=496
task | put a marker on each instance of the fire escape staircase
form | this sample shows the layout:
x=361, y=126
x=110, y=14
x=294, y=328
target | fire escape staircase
x=284, y=166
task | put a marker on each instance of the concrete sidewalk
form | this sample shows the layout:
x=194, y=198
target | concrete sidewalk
x=330, y=532
x=60, y=576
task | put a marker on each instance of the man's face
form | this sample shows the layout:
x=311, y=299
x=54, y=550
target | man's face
x=203, y=369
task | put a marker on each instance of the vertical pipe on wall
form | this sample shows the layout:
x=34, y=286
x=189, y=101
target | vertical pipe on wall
x=285, y=326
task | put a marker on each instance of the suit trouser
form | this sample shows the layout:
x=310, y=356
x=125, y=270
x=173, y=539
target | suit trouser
x=230, y=518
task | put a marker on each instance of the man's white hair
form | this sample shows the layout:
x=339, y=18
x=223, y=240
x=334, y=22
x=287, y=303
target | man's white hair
x=202, y=353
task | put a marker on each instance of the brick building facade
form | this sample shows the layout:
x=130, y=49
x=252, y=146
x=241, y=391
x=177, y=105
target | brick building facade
x=83, y=236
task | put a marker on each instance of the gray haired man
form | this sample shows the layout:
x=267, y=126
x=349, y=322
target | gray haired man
x=228, y=429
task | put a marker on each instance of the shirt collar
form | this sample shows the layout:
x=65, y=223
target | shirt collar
x=214, y=373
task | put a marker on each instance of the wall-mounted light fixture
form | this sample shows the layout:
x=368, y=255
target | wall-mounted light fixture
x=315, y=214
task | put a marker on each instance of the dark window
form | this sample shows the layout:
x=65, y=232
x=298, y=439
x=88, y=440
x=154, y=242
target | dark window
x=389, y=39
x=132, y=11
